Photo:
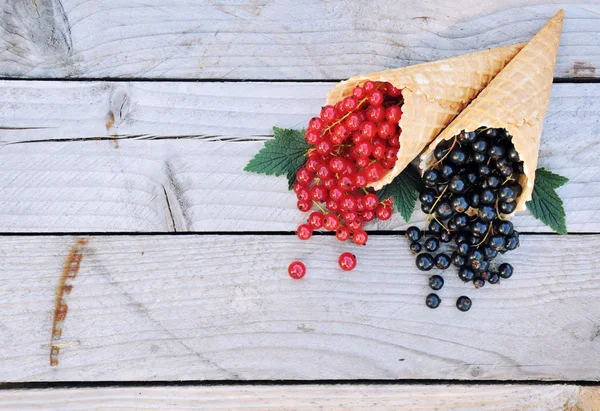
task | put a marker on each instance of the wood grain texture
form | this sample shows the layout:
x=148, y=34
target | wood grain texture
x=197, y=183
x=306, y=397
x=222, y=307
x=276, y=39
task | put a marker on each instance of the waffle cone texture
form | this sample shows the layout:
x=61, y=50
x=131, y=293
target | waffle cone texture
x=515, y=100
x=434, y=94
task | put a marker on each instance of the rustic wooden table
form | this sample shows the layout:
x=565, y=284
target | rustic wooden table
x=134, y=251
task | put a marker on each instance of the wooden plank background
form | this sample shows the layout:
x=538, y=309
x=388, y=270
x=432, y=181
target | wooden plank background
x=274, y=39
x=194, y=292
x=221, y=307
x=328, y=398
x=144, y=183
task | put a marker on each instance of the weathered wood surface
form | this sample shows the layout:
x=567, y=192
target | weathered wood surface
x=197, y=183
x=274, y=39
x=291, y=397
x=222, y=307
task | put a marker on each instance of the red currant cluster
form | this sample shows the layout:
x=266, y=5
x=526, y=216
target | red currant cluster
x=354, y=142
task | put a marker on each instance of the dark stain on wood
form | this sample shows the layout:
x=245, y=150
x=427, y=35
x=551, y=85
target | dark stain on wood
x=69, y=272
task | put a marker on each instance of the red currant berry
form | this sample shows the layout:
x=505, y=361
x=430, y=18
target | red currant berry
x=368, y=129
x=356, y=138
x=378, y=152
x=337, y=165
x=318, y=193
x=315, y=219
x=328, y=114
x=364, y=149
x=304, y=231
x=339, y=109
x=394, y=141
x=312, y=153
x=355, y=224
x=349, y=104
x=336, y=193
x=387, y=163
x=323, y=172
x=375, y=98
x=316, y=124
x=312, y=165
x=332, y=205
x=383, y=212
x=347, y=261
x=385, y=129
x=304, y=205
x=345, y=182
x=370, y=200
x=331, y=222
x=389, y=202
x=297, y=187
x=391, y=154
x=303, y=194
x=303, y=176
x=368, y=215
x=360, y=179
x=324, y=147
x=375, y=114
x=393, y=114
x=374, y=172
x=342, y=233
x=340, y=132
x=353, y=122
x=369, y=86
x=312, y=137
x=393, y=91
x=360, y=202
x=329, y=183
x=360, y=237
x=347, y=203
x=359, y=93
x=350, y=215
x=296, y=270
x=362, y=162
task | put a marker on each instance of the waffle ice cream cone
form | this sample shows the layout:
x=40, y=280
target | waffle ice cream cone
x=434, y=93
x=515, y=100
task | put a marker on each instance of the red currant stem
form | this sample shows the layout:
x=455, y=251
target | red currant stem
x=434, y=204
x=447, y=152
x=365, y=190
x=319, y=207
x=329, y=127
x=486, y=235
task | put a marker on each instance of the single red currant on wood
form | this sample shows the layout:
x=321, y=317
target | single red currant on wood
x=304, y=231
x=297, y=270
x=360, y=237
x=347, y=261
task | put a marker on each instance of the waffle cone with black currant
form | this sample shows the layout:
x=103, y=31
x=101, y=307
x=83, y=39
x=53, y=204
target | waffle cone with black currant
x=515, y=101
x=433, y=94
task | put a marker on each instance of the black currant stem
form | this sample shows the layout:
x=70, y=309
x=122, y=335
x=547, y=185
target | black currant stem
x=498, y=211
x=486, y=235
x=447, y=153
x=319, y=207
x=434, y=204
x=442, y=224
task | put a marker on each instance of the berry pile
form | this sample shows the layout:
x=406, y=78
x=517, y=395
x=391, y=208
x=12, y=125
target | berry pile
x=469, y=190
x=353, y=143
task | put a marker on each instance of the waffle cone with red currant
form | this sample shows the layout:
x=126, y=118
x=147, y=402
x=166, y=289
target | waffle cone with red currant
x=430, y=96
x=515, y=102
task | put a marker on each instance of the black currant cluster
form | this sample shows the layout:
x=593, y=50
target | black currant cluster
x=469, y=190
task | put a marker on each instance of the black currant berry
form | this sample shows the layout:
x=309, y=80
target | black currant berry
x=463, y=303
x=426, y=208
x=415, y=247
x=512, y=154
x=435, y=228
x=503, y=227
x=436, y=282
x=444, y=210
x=413, y=233
x=487, y=196
x=505, y=171
x=507, y=194
x=461, y=220
x=486, y=213
x=493, y=181
x=475, y=200
x=493, y=278
x=472, y=177
x=484, y=170
x=428, y=196
x=512, y=242
x=463, y=248
x=475, y=255
x=458, y=260
x=478, y=282
x=505, y=270
x=480, y=158
x=466, y=274
x=507, y=208
x=458, y=156
x=496, y=151
x=467, y=136
x=432, y=244
x=431, y=177
x=496, y=242
x=446, y=236
x=442, y=261
x=488, y=252
x=480, y=145
x=447, y=171
x=441, y=149
x=424, y=262
x=432, y=301
x=459, y=204
x=457, y=184
x=478, y=228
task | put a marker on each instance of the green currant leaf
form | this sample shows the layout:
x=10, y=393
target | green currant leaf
x=283, y=155
x=404, y=189
x=545, y=204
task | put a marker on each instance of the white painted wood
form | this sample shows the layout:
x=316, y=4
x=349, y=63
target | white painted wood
x=123, y=185
x=222, y=307
x=277, y=39
x=309, y=397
